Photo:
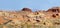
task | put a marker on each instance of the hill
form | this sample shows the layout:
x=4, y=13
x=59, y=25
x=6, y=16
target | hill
x=51, y=17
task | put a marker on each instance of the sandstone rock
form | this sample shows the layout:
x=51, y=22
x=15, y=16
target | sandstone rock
x=2, y=20
x=54, y=9
x=34, y=17
x=27, y=9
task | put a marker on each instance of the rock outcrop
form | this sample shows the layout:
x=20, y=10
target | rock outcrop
x=27, y=9
x=42, y=17
x=54, y=9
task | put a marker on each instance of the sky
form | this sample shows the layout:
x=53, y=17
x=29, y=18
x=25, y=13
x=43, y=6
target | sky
x=32, y=4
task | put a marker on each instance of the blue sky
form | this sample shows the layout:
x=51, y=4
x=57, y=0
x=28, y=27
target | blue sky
x=33, y=4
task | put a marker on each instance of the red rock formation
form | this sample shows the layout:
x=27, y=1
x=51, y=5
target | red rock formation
x=54, y=9
x=26, y=9
x=2, y=20
x=25, y=16
x=53, y=12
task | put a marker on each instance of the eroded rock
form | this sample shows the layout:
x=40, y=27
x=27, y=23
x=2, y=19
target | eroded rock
x=27, y=9
x=54, y=9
